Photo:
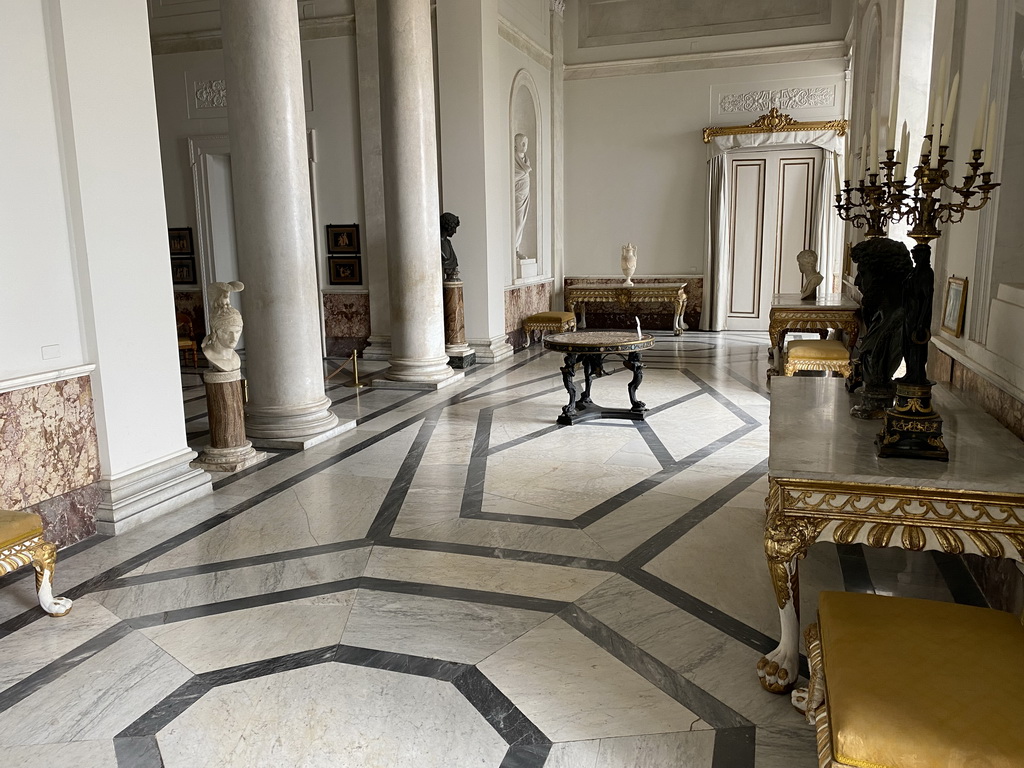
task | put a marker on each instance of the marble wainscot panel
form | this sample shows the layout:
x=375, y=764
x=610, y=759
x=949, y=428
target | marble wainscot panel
x=346, y=322
x=190, y=303
x=521, y=302
x=49, y=456
x=652, y=316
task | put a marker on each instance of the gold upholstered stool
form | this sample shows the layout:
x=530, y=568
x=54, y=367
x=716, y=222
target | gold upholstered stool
x=816, y=355
x=21, y=543
x=549, y=321
x=905, y=683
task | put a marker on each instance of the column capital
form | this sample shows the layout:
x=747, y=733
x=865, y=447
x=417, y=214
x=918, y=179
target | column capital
x=558, y=6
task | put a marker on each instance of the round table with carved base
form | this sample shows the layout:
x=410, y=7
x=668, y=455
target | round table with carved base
x=590, y=348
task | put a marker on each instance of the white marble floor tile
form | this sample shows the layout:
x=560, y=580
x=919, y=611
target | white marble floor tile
x=554, y=582
x=323, y=509
x=452, y=630
x=254, y=634
x=638, y=520
x=693, y=425
x=216, y=587
x=427, y=506
x=332, y=715
x=786, y=747
x=571, y=689
x=516, y=536
x=721, y=561
x=98, y=698
x=47, y=639
x=661, y=750
x=74, y=754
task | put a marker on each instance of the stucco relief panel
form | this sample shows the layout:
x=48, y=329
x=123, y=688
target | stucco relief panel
x=48, y=442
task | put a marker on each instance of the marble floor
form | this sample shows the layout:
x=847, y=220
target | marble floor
x=457, y=581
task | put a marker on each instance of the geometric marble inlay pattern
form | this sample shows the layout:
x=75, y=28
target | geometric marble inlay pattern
x=457, y=581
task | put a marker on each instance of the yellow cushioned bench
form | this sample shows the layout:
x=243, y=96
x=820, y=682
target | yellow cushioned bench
x=21, y=543
x=549, y=321
x=914, y=683
x=816, y=355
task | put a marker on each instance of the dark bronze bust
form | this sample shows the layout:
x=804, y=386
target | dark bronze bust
x=449, y=262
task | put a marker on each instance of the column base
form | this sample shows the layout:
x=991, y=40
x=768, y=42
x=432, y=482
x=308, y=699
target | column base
x=492, y=350
x=230, y=459
x=461, y=359
x=912, y=429
x=147, y=493
x=303, y=442
x=383, y=383
x=294, y=423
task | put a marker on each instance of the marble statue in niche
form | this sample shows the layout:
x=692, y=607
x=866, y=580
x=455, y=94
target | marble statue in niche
x=882, y=267
x=225, y=328
x=449, y=262
x=521, y=188
x=810, y=277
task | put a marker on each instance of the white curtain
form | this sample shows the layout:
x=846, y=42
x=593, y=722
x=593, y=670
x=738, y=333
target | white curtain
x=827, y=231
x=826, y=237
x=716, y=265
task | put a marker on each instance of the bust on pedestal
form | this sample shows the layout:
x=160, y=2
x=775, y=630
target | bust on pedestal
x=810, y=277
x=460, y=354
x=228, y=451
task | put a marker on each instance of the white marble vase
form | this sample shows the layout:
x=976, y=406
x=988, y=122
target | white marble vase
x=628, y=263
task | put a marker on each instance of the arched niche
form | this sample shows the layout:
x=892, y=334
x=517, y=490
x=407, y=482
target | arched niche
x=524, y=118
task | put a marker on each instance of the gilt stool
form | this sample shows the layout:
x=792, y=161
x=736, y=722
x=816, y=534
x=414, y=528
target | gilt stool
x=21, y=543
x=816, y=355
x=900, y=682
x=549, y=321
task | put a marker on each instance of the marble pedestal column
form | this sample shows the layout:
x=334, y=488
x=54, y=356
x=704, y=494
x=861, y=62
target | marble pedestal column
x=228, y=450
x=270, y=176
x=460, y=354
x=409, y=144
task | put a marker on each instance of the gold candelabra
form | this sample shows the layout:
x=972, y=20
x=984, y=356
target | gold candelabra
x=912, y=428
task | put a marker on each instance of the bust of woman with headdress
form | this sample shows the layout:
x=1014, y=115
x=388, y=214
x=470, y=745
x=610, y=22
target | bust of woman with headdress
x=225, y=328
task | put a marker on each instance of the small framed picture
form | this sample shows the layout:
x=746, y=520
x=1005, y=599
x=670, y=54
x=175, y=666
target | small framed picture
x=953, y=307
x=344, y=271
x=183, y=271
x=343, y=238
x=181, y=241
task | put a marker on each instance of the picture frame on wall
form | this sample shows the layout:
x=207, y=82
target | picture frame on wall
x=343, y=238
x=181, y=241
x=344, y=270
x=954, y=305
x=183, y=270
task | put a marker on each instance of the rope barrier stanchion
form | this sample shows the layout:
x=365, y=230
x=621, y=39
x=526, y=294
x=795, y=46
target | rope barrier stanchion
x=355, y=371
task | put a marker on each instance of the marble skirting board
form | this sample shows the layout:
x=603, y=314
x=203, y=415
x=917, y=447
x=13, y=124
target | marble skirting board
x=521, y=301
x=49, y=456
x=652, y=316
x=999, y=580
x=346, y=322
x=190, y=304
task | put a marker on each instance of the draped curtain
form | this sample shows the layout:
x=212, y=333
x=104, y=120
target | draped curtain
x=826, y=234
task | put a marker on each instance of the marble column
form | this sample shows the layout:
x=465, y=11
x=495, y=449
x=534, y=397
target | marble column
x=410, y=195
x=267, y=127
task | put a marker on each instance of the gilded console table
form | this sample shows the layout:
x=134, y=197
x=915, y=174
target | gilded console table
x=832, y=312
x=825, y=483
x=591, y=348
x=578, y=296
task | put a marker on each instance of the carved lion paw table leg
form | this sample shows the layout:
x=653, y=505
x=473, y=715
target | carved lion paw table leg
x=44, y=558
x=779, y=669
x=568, y=372
x=591, y=367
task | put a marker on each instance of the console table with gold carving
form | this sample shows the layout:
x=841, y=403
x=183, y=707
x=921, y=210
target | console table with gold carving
x=833, y=312
x=578, y=296
x=826, y=483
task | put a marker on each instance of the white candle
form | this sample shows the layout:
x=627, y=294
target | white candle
x=893, y=110
x=904, y=148
x=978, y=139
x=947, y=118
x=638, y=334
x=873, y=150
x=864, y=155
x=990, y=136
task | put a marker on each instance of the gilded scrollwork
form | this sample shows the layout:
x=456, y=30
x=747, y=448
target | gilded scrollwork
x=786, y=539
x=18, y=555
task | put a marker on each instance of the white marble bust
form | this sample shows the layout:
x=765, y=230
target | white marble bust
x=810, y=277
x=225, y=328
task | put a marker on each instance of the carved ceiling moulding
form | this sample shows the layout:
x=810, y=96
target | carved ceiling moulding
x=776, y=122
x=781, y=98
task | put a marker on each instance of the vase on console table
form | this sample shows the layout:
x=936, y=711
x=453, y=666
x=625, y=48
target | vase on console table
x=628, y=263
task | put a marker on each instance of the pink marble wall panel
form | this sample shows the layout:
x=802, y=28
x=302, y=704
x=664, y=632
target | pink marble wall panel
x=49, y=455
x=521, y=302
x=651, y=316
x=346, y=322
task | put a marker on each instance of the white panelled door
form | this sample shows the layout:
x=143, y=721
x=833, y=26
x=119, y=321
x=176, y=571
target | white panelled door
x=771, y=212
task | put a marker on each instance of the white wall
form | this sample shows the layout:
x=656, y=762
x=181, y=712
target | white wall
x=636, y=165
x=38, y=303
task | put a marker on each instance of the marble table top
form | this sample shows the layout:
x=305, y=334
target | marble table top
x=823, y=301
x=593, y=342
x=813, y=436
